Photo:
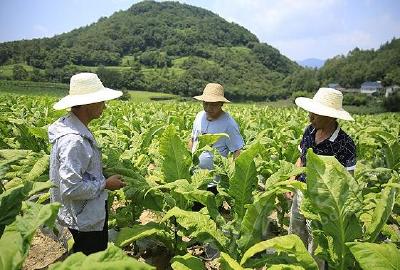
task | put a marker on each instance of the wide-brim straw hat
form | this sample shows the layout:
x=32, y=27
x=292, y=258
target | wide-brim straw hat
x=326, y=102
x=213, y=92
x=86, y=88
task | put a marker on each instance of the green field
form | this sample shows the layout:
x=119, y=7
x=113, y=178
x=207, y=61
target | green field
x=60, y=90
x=146, y=144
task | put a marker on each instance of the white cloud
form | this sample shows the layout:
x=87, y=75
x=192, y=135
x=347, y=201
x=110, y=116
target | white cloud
x=311, y=28
x=40, y=30
x=274, y=17
x=324, y=47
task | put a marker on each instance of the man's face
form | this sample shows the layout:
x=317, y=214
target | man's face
x=213, y=109
x=319, y=121
x=96, y=109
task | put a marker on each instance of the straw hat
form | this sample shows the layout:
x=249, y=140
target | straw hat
x=327, y=102
x=86, y=88
x=213, y=92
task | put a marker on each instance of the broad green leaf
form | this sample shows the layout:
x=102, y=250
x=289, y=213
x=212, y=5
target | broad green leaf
x=12, y=251
x=14, y=153
x=193, y=194
x=286, y=267
x=39, y=132
x=392, y=155
x=34, y=215
x=334, y=196
x=187, y=262
x=176, y=158
x=383, y=136
x=150, y=134
x=15, y=242
x=288, y=249
x=40, y=166
x=197, y=226
x=11, y=202
x=376, y=256
x=381, y=212
x=254, y=222
x=391, y=232
x=201, y=178
x=244, y=180
x=285, y=172
x=209, y=139
x=40, y=186
x=228, y=263
x=111, y=258
x=128, y=235
x=138, y=189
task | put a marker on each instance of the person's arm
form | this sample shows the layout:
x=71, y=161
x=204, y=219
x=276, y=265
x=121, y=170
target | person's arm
x=194, y=134
x=190, y=144
x=236, y=153
x=75, y=184
x=289, y=195
x=298, y=163
x=235, y=142
x=351, y=158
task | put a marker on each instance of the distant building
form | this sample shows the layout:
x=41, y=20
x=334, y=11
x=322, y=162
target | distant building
x=336, y=86
x=371, y=87
x=391, y=89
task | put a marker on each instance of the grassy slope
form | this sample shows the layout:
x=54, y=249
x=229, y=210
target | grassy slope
x=60, y=90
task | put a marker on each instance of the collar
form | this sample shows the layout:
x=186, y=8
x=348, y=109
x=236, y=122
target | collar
x=334, y=135
x=213, y=120
x=80, y=127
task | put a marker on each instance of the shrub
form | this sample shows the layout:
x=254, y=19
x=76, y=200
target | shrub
x=392, y=102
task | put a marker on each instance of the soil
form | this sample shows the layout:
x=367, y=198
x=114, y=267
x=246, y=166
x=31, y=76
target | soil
x=43, y=252
x=47, y=249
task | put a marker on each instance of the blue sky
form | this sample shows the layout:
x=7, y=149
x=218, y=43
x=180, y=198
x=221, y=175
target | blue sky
x=299, y=29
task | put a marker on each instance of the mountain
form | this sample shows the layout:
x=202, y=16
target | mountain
x=311, y=62
x=166, y=46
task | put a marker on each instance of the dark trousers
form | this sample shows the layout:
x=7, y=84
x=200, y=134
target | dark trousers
x=90, y=242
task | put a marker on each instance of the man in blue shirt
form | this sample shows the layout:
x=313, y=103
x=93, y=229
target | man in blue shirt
x=213, y=120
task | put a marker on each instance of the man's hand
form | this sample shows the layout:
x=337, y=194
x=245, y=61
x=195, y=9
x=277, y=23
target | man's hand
x=114, y=182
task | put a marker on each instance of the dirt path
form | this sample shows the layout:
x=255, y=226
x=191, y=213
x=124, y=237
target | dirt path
x=43, y=252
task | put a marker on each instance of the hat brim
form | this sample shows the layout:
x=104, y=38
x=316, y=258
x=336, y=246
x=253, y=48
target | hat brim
x=310, y=105
x=98, y=96
x=211, y=98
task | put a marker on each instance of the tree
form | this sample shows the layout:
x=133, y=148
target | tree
x=36, y=76
x=111, y=78
x=133, y=79
x=19, y=73
x=391, y=103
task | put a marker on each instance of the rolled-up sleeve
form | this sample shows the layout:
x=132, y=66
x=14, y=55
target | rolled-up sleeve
x=75, y=154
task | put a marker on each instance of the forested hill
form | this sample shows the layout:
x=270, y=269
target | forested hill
x=167, y=46
x=351, y=70
x=359, y=66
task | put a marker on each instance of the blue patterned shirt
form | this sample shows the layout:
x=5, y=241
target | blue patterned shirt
x=339, y=145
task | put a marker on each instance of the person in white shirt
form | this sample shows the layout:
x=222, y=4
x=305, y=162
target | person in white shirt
x=75, y=165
